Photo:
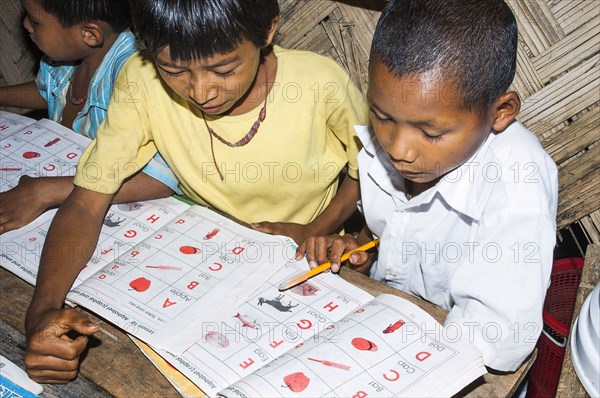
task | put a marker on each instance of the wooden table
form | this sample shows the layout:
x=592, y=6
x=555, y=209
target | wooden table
x=115, y=366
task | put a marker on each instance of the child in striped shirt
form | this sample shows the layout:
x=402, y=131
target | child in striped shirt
x=85, y=44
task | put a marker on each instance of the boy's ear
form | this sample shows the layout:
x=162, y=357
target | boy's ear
x=505, y=110
x=92, y=34
x=272, y=31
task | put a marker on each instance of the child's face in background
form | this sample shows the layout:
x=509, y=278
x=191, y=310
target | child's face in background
x=418, y=122
x=221, y=84
x=56, y=42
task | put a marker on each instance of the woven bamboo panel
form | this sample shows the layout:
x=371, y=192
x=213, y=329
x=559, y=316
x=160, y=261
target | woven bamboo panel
x=558, y=76
x=18, y=56
x=558, y=79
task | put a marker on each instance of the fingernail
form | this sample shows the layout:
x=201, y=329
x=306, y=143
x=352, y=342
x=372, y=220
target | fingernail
x=335, y=267
x=299, y=257
x=312, y=264
x=355, y=257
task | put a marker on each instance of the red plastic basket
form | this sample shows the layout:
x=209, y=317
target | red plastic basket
x=557, y=315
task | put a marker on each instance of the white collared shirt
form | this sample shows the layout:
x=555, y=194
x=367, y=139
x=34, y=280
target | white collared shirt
x=479, y=243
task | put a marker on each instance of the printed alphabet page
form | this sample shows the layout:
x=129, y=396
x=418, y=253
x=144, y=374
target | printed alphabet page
x=42, y=149
x=125, y=226
x=389, y=347
x=11, y=122
x=165, y=286
x=265, y=326
x=48, y=149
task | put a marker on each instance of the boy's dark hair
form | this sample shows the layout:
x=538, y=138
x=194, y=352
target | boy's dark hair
x=198, y=29
x=73, y=12
x=469, y=43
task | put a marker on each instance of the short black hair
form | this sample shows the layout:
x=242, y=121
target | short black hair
x=198, y=29
x=73, y=12
x=469, y=43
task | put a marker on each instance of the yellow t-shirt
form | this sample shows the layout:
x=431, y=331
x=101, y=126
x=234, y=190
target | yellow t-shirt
x=287, y=172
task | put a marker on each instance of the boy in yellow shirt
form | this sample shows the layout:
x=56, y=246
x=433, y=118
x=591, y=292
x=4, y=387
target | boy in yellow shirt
x=254, y=130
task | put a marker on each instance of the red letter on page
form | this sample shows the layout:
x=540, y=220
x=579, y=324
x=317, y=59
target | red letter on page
x=153, y=218
x=247, y=363
x=395, y=377
x=168, y=303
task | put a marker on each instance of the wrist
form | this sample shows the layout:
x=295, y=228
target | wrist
x=37, y=308
x=47, y=191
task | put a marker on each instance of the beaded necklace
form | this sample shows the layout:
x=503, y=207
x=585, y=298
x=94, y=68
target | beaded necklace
x=245, y=139
x=74, y=100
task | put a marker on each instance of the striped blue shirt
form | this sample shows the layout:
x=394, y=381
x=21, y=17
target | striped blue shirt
x=53, y=84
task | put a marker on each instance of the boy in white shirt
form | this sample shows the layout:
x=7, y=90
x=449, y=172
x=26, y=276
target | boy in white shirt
x=463, y=196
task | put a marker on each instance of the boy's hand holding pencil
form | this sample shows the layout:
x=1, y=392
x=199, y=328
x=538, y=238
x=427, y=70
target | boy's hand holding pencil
x=326, y=266
x=320, y=249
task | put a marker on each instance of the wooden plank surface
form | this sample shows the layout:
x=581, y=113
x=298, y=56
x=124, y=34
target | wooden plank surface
x=113, y=362
x=569, y=384
x=12, y=346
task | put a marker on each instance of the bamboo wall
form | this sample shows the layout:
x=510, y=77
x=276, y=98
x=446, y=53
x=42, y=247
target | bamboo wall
x=558, y=76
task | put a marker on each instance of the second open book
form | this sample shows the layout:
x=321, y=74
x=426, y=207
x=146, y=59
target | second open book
x=202, y=291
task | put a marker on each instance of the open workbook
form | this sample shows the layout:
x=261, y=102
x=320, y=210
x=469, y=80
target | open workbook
x=202, y=291
x=326, y=337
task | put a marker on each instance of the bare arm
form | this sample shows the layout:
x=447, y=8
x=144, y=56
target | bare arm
x=51, y=356
x=24, y=95
x=342, y=206
x=330, y=221
x=141, y=186
x=45, y=192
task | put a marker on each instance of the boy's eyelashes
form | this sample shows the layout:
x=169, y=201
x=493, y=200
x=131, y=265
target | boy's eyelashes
x=225, y=74
x=172, y=74
x=430, y=137
x=179, y=73
x=379, y=118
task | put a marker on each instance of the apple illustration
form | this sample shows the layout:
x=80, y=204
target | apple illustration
x=297, y=382
x=140, y=284
x=363, y=344
x=31, y=155
x=189, y=250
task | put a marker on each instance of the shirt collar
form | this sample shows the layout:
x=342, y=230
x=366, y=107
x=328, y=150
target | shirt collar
x=466, y=189
x=380, y=170
x=125, y=45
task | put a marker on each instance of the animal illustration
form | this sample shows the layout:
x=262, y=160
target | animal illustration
x=109, y=222
x=245, y=322
x=277, y=304
x=393, y=327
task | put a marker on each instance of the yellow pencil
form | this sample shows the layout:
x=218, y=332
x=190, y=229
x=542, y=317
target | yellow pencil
x=299, y=278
